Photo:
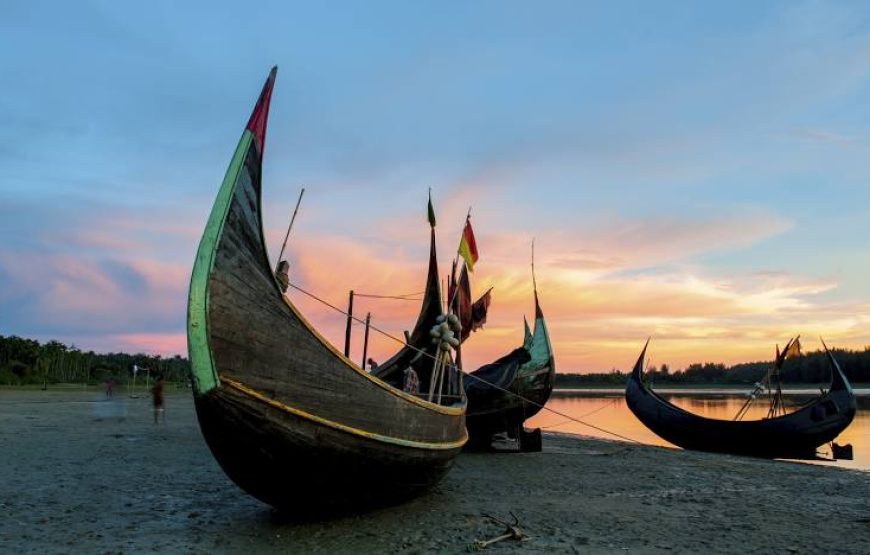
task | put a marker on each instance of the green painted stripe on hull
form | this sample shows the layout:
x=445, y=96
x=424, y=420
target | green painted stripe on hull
x=205, y=375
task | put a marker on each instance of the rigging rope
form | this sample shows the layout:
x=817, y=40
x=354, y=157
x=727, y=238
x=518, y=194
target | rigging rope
x=408, y=297
x=590, y=413
x=422, y=352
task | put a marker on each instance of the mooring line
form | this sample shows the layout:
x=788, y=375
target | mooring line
x=467, y=375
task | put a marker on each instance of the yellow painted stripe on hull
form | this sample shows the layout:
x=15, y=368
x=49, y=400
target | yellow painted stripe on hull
x=343, y=427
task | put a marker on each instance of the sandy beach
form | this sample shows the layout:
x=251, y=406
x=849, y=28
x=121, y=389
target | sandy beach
x=88, y=475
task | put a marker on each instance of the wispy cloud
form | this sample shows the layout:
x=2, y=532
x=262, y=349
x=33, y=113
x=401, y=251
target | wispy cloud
x=823, y=136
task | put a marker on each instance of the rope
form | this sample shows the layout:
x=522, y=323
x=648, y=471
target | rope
x=358, y=320
x=408, y=297
x=590, y=413
x=524, y=399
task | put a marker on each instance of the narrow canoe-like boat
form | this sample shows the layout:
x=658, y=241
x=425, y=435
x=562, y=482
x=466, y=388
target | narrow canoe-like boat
x=505, y=393
x=794, y=435
x=290, y=419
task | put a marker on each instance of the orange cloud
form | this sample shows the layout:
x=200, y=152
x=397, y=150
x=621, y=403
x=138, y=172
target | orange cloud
x=599, y=313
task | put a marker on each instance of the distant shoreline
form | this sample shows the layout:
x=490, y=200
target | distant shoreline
x=860, y=389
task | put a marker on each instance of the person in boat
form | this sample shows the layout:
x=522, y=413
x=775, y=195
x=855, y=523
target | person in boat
x=158, y=399
x=282, y=274
x=411, y=383
x=372, y=364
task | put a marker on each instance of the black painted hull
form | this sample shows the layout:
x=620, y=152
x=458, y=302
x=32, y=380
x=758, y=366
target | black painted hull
x=795, y=435
x=493, y=411
x=298, y=465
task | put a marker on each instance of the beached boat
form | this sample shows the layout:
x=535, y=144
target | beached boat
x=288, y=417
x=794, y=435
x=419, y=350
x=504, y=394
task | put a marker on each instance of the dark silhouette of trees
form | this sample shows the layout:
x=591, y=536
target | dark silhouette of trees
x=811, y=368
x=26, y=361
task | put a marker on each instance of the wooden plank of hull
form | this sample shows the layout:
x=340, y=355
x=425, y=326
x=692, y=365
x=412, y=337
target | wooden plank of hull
x=795, y=435
x=294, y=463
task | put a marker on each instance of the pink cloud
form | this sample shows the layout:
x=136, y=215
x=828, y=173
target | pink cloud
x=166, y=344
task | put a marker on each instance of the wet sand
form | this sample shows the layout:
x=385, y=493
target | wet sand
x=83, y=474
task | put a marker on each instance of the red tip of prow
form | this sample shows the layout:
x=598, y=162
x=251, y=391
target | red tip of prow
x=260, y=115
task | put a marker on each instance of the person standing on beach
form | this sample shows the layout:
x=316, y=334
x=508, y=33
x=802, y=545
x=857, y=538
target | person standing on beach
x=157, y=397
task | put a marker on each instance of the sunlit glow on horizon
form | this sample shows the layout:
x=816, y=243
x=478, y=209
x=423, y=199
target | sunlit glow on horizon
x=709, y=194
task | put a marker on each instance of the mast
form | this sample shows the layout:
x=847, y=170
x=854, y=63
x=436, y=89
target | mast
x=292, y=219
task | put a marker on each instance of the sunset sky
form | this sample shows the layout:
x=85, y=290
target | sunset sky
x=694, y=172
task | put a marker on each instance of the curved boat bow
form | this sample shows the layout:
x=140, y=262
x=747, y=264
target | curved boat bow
x=290, y=419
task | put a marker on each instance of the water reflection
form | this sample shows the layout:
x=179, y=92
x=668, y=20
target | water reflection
x=607, y=410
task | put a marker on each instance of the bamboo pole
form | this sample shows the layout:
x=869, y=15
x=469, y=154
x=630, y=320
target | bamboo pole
x=445, y=358
x=349, y=322
x=366, y=340
x=436, y=373
x=292, y=219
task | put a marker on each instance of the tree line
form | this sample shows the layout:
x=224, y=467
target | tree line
x=27, y=361
x=810, y=368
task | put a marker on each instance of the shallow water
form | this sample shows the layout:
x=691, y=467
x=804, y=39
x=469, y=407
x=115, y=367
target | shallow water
x=606, y=410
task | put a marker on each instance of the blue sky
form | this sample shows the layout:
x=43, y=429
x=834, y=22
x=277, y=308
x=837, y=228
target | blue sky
x=690, y=171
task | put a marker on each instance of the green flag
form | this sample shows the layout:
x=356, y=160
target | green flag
x=431, y=210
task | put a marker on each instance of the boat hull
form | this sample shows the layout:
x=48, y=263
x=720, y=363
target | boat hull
x=299, y=465
x=794, y=435
x=494, y=410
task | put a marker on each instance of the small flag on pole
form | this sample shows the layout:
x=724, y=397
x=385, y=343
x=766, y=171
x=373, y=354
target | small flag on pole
x=794, y=349
x=479, y=310
x=431, y=211
x=468, y=246
x=463, y=298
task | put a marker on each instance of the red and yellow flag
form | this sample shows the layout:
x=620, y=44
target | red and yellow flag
x=468, y=246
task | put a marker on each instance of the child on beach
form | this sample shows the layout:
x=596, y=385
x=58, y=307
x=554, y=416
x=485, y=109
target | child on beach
x=157, y=397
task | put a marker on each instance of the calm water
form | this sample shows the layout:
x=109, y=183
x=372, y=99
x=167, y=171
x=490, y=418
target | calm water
x=607, y=409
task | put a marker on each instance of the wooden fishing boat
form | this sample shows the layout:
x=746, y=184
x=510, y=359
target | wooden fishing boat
x=504, y=394
x=418, y=351
x=793, y=435
x=290, y=419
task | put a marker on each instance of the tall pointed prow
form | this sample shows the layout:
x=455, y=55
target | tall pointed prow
x=637, y=372
x=246, y=162
x=289, y=418
x=419, y=353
